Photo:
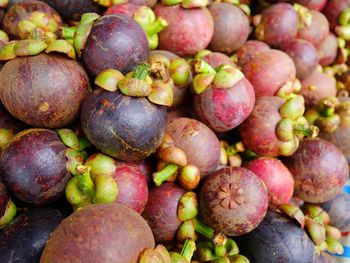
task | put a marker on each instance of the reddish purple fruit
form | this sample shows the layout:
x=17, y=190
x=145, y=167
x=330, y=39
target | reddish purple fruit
x=195, y=26
x=333, y=9
x=231, y=27
x=233, y=201
x=318, y=86
x=224, y=109
x=317, y=5
x=304, y=55
x=200, y=144
x=327, y=50
x=7, y=121
x=33, y=166
x=55, y=85
x=278, y=25
x=268, y=71
x=117, y=42
x=319, y=169
x=123, y=9
x=277, y=178
x=249, y=50
x=216, y=59
x=161, y=211
x=317, y=31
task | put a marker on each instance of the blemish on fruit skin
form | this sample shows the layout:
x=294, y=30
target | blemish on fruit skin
x=44, y=106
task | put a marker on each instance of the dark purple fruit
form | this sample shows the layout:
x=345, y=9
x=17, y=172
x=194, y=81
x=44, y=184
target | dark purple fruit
x=278, y=239
x=231, y=27
x=25, y=238
x=99, y=233
x=43, y=91
x=73, y=9
x=319, y=169
x=161, y=211
x=33, y=166
x=127, y=128
x=117, y=42
x=7, y=121
x=233, y=201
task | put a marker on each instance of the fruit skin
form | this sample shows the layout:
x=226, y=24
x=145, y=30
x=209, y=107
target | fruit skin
x=338, y=209
x=133, y=127
x=325, y=258
x=99, y=233
x=195, y=26
x=233, y=201
x=317, y=31
x=258, y=130
x=7, y=121
x=277, y=178
x=319, y=169
x=33, y=166
x=225, y=109
x=200, y=144
x=278, y=239
x=161, y=211
x=249, y=50
x=333, y=10
x=304, y=55
x=72, y=10
x=279, y=25
x=150, y=3
x=216, y=59
x=117, y=42
x=55, y=85
x=25, y=237
x=268, y=71
x=21, y=11
x=231, y=27
x=132, y=186
x=317, y=5
x=327, y=50
x=325, y=87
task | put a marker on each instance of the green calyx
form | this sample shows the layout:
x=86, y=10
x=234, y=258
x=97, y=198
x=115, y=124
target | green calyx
x=186, y=231
x=187, y=207
x=188, y=4
x=305, y=16
x=293, y=212
x=108, y=3
x=5, y=137
x=9, y=214
x=329, y=114
x=343, y=29
x=223, y=77
x=81, y=190
x=157, y=255
x=186, y=254
x=151, y=24
x=101, y=165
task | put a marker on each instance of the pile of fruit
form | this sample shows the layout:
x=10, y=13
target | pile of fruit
x=174, y=131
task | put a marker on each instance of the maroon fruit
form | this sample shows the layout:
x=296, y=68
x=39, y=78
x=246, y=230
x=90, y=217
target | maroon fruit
x=278, y=239
x=195, y=26
x=231, y=27
x=327, y=50
x=268, y=71
x=319, y=169
x=161, y=211
x=317, y=5
x=117, y=42
x=249, y=50
x=225, y=109
x=278, y=25
x=133, y=127
x=31, y=11
x=99, y=233
x=333, y=9
x=277, y=178
x=33, y=166
x=123, y=9
x=7, y=121
x=72, y=10
x=55, y=85
x=317, y=31
x=339, y=211
x=216, y=59
x=200, y=144
x=304, y=55
x=233, y=201
x=318, y=86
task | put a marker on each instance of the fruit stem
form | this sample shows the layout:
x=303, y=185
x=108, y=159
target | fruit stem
x=85, y=183
x=188, y=249
x=160, y=177
x=141, y=72
x=204, y=230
